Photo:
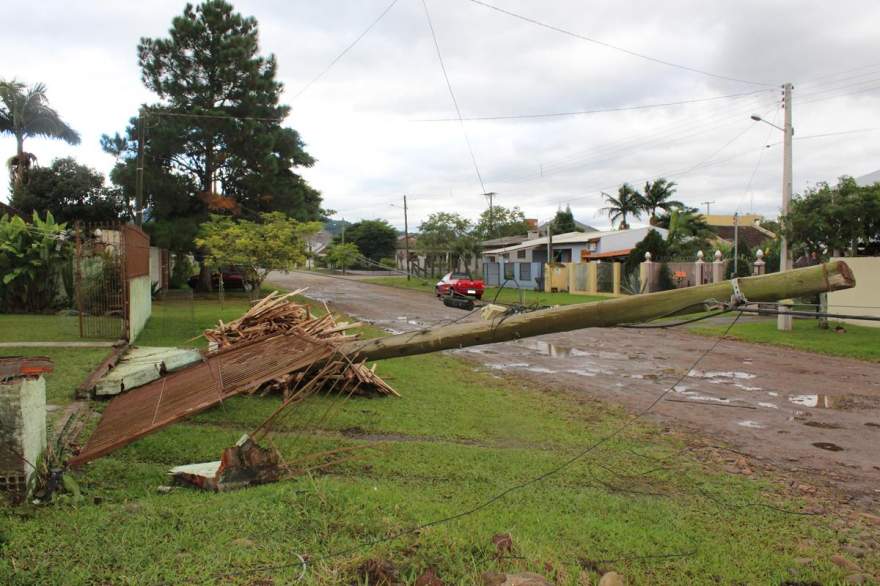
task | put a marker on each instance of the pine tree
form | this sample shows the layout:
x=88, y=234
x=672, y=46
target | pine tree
x=215, y=140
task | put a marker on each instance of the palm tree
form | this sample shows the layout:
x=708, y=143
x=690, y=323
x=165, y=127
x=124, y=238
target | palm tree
x=688, y=231
x=628, y=202
x=657, y=196
x=25, y=112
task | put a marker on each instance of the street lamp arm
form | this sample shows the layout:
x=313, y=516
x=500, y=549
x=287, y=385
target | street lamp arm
x=757, y=118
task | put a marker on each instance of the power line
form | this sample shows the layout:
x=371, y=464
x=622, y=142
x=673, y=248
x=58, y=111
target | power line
x=616, y=47
x=216, y=116
x=346, y=50
x=594, y=111
x=452, y=95
x=664, y=136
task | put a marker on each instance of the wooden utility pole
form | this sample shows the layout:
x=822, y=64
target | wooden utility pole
x=491, y=195
x=629, y=309
x=139, y=179
x=343, y=243
x=406, y=236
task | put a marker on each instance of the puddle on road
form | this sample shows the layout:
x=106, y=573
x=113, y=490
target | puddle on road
x=747, y=387
x=505, y=366
x=768, y=405
x=750, y=424
x=561, y=351
x=721, y=375
x=580, y=372
x=540, y=369
x=828, y=446
x=816, y=401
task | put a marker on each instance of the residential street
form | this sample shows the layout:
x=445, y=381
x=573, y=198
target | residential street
x=815, y=416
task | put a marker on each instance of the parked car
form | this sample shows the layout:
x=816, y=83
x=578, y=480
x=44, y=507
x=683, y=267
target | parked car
x=233, y=278
x=461, y=284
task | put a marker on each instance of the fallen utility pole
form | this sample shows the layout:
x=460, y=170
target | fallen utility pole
x=632, y=309
x=244, y=367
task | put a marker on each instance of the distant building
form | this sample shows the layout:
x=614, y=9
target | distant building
x=523, y=263
x=751, y=233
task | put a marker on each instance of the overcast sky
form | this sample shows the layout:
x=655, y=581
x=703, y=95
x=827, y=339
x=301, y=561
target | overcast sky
x=362, y=120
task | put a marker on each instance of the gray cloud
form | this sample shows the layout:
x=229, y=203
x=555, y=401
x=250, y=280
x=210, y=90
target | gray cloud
x=359, y=120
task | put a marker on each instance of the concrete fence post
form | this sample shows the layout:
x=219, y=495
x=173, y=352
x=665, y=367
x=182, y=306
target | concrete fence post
x=699, y=269
x=548, y=277
x=592, y=277
x=718, y=268
x=615, y=275
x=759, y=265
x=646, y=274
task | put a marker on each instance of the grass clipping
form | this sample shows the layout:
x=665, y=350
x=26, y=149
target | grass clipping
x=278, y=313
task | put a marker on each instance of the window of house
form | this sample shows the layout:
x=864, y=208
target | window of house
x=520, y=253
x=508, y=270
x=525, y=271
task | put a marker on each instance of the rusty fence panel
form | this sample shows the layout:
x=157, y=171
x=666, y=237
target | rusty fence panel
x=186, y=392
x=99, y=281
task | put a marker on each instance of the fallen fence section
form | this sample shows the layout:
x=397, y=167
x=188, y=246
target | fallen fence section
x=194, y=389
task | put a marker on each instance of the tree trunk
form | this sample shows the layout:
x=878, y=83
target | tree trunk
x=18, y=176
x=633, y=309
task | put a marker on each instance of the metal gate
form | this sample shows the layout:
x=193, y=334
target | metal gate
x=100, y=281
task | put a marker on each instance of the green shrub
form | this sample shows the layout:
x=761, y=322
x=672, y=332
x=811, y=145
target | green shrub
x=32, y=258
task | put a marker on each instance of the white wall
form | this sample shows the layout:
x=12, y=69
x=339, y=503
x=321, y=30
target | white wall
x=140, y=304
x=155, y=265
x=866, y=293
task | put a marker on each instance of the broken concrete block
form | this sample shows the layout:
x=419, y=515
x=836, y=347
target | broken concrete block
x=22, y=432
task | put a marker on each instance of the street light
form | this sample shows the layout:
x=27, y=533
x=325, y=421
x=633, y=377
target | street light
x=784, y=321
x=757, y=118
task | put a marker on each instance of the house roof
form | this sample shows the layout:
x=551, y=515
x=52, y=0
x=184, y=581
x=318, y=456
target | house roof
x=750, y=235
x=869, y=179
x=580, y=226
x=728, y=219
x=570, y=238
x=610, y=253
x=504, y=241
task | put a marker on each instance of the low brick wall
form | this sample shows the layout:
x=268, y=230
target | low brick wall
x=22, y=432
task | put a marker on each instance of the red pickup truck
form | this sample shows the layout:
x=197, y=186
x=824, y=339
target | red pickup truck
x=460, y=284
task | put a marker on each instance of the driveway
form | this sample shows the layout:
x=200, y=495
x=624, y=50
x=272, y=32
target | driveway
x=814, y=416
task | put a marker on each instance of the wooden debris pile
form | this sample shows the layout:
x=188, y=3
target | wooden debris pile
x=280, y=314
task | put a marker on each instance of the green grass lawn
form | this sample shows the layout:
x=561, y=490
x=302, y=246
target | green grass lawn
x=860, y=342
x=40, y=328
x=640, y=504
x=507, y=295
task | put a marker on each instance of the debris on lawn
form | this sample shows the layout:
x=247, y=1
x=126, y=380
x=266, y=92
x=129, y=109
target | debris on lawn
x=278, y=314
x=241, y=465
x=277, y=344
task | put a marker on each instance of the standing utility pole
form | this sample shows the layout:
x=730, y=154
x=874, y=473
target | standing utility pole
x=735, y=243
x=783, y=322
x=343, y=243
x=139, y=180
x=406, y=236
x=491, y=195
x=707, y=204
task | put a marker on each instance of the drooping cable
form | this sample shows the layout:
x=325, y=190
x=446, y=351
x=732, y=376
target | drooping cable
x=452, y=95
